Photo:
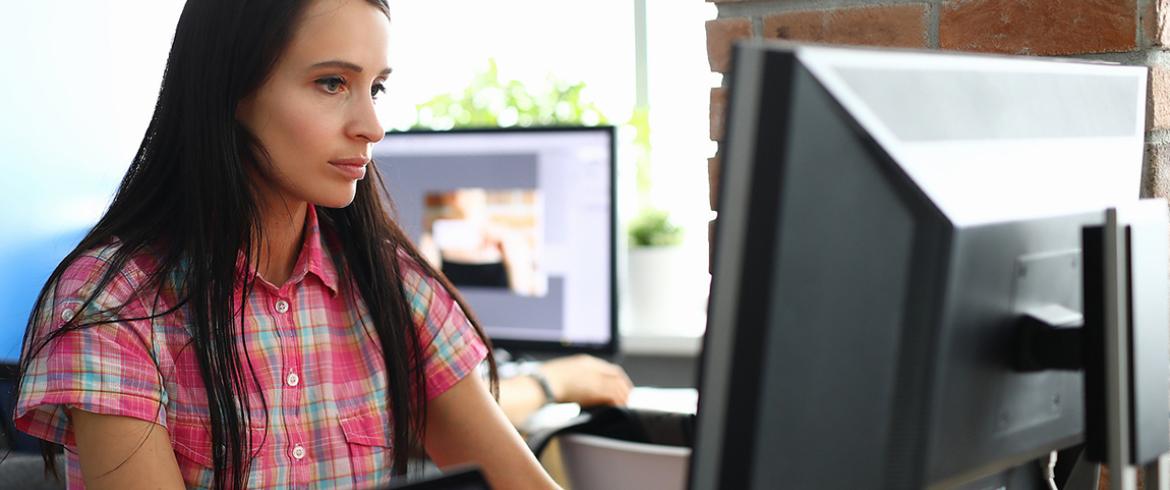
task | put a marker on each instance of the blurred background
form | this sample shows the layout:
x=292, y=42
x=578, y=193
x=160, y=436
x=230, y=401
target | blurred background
x=80, y=80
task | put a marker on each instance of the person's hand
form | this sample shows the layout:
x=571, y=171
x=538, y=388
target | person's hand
x=587, y=380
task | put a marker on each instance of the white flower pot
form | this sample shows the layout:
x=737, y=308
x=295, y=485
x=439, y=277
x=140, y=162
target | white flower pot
x=657, y=285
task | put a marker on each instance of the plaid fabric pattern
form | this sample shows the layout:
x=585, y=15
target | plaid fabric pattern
x=310, y=342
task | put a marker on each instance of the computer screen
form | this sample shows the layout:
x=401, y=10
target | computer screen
x=885, y=218
x=522, y=223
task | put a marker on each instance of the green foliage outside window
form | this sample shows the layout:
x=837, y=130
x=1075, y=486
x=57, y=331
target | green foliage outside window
x=490, y=102
x=653, y=227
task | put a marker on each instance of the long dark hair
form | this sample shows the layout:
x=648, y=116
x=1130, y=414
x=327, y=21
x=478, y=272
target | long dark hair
x=187, y=199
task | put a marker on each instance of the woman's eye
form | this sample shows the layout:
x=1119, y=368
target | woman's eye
x=331, y=84
x=376, y=90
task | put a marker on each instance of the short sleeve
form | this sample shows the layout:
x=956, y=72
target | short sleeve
x=451, y=346
x=106, y=368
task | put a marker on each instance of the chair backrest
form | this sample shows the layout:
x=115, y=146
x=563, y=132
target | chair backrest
x=594, y=463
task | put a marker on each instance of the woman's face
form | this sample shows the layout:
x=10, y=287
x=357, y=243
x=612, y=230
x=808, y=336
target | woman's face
x=315, y=112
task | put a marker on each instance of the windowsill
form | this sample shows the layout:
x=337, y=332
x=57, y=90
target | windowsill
x=661, y=344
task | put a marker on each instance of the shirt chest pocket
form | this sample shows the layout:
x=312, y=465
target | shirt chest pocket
x=191, y=439
x=365, y=426
x=368, y=442
x=362, y=415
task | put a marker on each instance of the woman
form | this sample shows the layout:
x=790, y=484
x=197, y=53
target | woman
x=245, y=314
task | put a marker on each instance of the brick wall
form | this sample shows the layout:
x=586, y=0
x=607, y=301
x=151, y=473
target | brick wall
x=1129, y=31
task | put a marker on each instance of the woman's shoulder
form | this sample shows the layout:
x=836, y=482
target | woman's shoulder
x=87, y=270
x=94, y=285
x=428, y=296
x=416, y=280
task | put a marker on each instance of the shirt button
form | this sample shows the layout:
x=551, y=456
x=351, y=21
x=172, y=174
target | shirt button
x=67, y=314
x=293, y=379
x=299, y=451
x=282, y=306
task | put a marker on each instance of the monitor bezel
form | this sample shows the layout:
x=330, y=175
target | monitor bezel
x=607, y=349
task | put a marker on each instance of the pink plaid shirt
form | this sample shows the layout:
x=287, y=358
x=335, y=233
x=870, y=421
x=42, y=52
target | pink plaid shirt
x=310, y=341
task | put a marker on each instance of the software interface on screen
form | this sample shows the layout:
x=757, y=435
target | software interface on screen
x=520, y=221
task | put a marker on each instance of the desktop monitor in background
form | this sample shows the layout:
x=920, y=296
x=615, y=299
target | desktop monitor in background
x=885, y=219
x=522, y=223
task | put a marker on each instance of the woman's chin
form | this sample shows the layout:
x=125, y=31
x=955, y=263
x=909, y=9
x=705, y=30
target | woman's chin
x=337, y=200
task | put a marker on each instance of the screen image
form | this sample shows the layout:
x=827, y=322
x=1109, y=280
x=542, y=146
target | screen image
x=485, y=238
x=520, y=221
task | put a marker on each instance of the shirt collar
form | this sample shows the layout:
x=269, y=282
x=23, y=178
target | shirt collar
x=315, y=256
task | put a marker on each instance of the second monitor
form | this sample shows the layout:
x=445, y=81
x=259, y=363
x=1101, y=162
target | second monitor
x=522, y=223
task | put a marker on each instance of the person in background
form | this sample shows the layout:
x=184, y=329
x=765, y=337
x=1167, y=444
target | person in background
x=471, y=250
x=245, y=313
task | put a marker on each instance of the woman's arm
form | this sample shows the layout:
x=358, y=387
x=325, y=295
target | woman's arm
x=587, y=381
x=464, y=425
x=581, y=379
x=124, y=453
x=520, y=397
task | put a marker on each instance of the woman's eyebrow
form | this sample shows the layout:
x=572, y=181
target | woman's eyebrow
x=345, y=65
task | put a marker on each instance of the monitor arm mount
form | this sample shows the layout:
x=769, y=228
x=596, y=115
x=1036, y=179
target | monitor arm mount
x=1121, y=343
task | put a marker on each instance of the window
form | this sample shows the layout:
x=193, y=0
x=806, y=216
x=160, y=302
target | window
x=438, y=47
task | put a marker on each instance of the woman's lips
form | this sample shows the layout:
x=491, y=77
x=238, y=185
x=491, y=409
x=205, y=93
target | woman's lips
x=352, y=168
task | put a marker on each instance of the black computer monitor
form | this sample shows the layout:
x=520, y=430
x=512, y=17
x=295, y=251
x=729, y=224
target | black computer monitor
x=885, y=217
x=522, y=221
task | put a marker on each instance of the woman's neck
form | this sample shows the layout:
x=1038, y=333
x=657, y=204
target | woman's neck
x=283, y=224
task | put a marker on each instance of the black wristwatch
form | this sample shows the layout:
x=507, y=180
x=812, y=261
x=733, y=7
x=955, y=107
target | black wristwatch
x=549, y=397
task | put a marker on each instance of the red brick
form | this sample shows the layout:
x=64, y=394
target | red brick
x=711, y=246
x=1158, y=102
x=721, y=33
x=1041, y=27
x=713, y=168
x=1149, y=23
x=718, y=110
x=1154, y=21
x=886, y=25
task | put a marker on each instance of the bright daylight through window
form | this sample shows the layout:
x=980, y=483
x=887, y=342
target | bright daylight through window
x=640, y=65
